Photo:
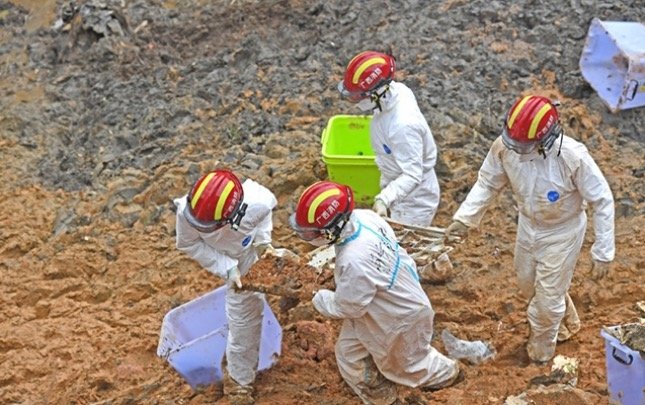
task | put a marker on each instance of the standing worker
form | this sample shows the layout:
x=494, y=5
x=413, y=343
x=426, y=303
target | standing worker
x=388, y=319
x=225, y=226
x=405, y=150
x=552, y=186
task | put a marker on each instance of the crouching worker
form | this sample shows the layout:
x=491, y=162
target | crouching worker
x=388, y=319
x=225, y=226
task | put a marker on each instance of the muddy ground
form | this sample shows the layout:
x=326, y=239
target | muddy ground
x=100, y=131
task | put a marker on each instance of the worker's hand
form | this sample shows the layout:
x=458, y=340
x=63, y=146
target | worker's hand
x=379, y=207
x=283, y=252
x=262, y=248
x=599, y=269
x=266, y=249
x=320, y=299
x=233, y=277
x=457, y=228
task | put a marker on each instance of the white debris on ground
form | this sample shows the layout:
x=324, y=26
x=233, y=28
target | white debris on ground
x=563, y=371
x=474, y=352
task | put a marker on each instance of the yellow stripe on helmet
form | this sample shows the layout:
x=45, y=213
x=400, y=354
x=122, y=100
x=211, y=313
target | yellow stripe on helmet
x=364, y=66
x=356, y=57
x=517, y=110
x=222, y=200
x=311, y=214
x=201, y=189
x=536, y=121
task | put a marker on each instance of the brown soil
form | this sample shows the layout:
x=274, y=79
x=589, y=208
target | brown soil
x=288, y=278
x=88, y=272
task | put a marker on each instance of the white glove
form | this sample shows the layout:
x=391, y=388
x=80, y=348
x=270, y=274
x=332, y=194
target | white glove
x=233, y=277
x=266, y=249
x=320, y=298
x=262, y=248
x=599, y=269
x=284, y=252
x=379, y=207
x=456, y=228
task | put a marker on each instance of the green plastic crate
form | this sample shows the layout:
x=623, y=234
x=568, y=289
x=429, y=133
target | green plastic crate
x=348, y=155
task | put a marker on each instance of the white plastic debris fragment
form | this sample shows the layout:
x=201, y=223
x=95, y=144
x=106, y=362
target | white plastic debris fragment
x=521, y=399
x=321, y=256
x=640, y=305
x=564, y=371
x=567, y=367
x=613, y=62
x=443, y=264
x=475, y=352
x=567, y=364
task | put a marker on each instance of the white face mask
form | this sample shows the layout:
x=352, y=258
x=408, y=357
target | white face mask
x=366, y=104
x=528, y=157
x=319, y=241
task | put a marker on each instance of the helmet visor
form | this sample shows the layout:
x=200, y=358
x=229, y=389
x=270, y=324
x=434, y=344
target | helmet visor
x=522, y=148
x=352, y=97
x=202, y=226
x=306, y=234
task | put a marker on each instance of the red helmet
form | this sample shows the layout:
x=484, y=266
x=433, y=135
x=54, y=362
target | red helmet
x=215, y=200
x=322, y=211
x=533, y=121
x=365, y=73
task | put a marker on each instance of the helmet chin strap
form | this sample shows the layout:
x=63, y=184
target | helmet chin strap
x=376, y=97
x=545, y=146
x=336, y=228
x=237, y=217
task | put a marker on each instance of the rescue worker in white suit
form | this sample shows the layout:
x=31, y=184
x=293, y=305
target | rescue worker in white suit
x=225, y=226
x=388, y=320
x=553, y=178
x=405, y=151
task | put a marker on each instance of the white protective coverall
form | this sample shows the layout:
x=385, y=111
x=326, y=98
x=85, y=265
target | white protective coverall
x=223, y=249
x=551, y=195
x=406, y=155
x=388, y=319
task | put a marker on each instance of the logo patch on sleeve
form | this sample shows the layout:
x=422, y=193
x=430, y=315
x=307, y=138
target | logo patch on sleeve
x=553, y=196
x=387, y=149
x=246, y=241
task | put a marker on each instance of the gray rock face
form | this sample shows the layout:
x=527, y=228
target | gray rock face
x=155, y=80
